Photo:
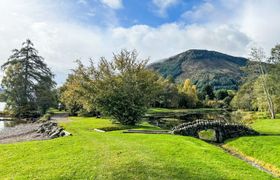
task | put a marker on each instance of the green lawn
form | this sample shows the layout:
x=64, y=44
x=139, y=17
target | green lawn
x=267, y=126
x=114, y=155
x=263, y=149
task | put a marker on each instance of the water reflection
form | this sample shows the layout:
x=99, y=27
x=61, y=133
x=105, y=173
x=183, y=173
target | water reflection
x=2, y=106
x=170, y=120
x=5, y=124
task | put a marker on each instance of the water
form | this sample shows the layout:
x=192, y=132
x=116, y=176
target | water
x=168, y=120
x=5, y=124
x=2, y=106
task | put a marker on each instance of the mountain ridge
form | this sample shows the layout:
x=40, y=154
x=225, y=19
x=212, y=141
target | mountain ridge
x=220, y=70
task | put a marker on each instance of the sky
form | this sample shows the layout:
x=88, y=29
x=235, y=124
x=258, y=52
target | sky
x=66, y=30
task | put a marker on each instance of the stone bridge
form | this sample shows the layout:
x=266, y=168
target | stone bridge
x=223, y=130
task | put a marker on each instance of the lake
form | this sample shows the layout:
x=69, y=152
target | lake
x=2, y=106
x=5, y=124
x=4, y=121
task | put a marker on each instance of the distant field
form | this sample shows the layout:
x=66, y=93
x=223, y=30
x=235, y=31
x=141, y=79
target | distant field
x=114, y=155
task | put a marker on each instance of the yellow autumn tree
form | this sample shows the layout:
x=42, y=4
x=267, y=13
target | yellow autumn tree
x=188, y=94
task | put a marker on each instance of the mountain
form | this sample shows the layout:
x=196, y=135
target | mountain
x=222, y=71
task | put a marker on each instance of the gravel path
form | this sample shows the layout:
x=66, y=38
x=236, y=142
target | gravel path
x=27, y=132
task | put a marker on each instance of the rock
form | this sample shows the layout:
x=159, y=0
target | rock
x=52, y=130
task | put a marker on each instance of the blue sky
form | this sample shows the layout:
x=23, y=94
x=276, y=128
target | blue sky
x=129, y=12
x=66, y=30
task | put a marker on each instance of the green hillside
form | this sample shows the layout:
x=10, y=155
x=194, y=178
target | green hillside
x=201, y=66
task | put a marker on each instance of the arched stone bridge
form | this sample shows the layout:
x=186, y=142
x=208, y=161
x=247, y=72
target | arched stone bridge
x=223, y=130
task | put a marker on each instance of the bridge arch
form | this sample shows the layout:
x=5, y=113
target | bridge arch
x=223, y=130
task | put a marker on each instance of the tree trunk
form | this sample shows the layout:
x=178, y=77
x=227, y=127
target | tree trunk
x=267, y=94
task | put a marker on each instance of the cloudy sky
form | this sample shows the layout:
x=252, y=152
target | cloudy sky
x=65, y=30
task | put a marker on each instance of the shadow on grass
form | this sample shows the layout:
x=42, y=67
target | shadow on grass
x=126, y=127
x=269, y=134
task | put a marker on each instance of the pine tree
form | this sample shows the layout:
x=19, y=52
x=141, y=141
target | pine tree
x=25, y=73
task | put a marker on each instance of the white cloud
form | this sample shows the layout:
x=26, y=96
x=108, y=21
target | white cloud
x=114, y=4
x=170, y=39
x=261, y=22
x=61, y=41
x=201, y=12
x=163, y=5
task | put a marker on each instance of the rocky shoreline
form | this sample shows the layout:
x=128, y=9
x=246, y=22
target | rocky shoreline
x=32, y=131
x=21, y=132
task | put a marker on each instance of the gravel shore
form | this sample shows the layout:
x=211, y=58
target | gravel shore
x=21, y=132
x=28, y=131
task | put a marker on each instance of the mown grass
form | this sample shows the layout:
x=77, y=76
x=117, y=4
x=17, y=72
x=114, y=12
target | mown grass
x=263, y=149
x=267, y=126
x=115, y=155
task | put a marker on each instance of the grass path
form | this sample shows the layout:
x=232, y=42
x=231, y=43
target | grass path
x=116, y=155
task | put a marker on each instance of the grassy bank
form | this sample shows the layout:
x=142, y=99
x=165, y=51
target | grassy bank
x=263, y=149
x=115, y=155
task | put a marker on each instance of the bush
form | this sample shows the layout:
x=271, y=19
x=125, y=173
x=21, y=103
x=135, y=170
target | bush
x=46, y=117
x=221, y=94
x=215, y=104
x=125, y=88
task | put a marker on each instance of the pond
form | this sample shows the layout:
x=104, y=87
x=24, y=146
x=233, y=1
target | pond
x=168, y=120
x=4, y=123
x=2, y=106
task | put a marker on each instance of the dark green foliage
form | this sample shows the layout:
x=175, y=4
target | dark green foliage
x=244, y=98
x=27, y=82
x=78, y=93
x=3, y=98
x=203, y=67
x=207, y=92
x=227, y=100
x=125, y=88
x=221, y=94
x=168, y=96
x=275, y=70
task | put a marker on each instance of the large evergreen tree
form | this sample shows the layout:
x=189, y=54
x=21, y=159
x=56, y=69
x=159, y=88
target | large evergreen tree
x=27, y=81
